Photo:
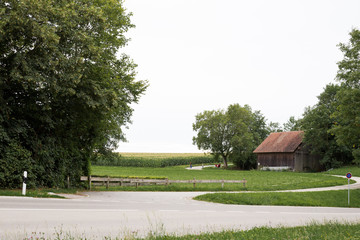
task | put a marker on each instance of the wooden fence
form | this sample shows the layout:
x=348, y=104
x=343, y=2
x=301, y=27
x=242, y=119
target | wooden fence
x=107, y=181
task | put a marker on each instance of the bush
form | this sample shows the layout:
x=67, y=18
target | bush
x=14, y=162
x=244, y=160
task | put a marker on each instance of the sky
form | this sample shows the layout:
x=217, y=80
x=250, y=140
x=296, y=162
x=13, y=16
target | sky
x=276, y=56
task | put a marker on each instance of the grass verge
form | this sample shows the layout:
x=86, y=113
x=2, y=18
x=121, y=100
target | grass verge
x=316, y=199
x=37, y=193
x=329, y=231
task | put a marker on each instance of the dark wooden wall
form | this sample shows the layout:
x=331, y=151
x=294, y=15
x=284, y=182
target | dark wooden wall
x=298, y=161
x=276, y=159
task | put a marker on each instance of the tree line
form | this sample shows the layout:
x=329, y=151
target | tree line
x=331, y=127
x=65, y=94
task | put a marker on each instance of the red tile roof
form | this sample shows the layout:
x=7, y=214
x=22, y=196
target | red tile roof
x=281, y=142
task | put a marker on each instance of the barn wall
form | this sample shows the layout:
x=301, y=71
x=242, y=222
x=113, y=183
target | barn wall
x=304, y=161
x=276, y=160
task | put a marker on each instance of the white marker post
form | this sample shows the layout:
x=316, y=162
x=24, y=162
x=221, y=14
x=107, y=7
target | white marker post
x=24, y=183
x=348, y=175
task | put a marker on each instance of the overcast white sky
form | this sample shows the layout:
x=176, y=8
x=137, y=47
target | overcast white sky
x=276, y=56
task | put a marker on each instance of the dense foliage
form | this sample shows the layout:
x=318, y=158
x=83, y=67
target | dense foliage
x=317, y=123
x=347, y=114
x=63, y=92
x=151, y=160
x=332, y=126
x=232, y=134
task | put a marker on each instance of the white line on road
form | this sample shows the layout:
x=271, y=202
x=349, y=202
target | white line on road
x=68, y=209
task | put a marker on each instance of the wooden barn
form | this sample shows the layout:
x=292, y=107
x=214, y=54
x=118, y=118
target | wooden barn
x=284, y=150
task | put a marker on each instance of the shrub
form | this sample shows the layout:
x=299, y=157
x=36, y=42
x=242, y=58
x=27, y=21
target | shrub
x=15, y=161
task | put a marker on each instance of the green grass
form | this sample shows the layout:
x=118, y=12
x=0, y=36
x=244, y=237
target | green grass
x=354, y=170
x=37, y=193
x=329, y=231
x=257, y=180
x=318, y=199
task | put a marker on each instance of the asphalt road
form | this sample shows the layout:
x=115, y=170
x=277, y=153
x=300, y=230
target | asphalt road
x=119, y=214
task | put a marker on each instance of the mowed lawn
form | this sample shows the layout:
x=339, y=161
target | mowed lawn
x=256, y=180
x=315, y=199
x=354, y=170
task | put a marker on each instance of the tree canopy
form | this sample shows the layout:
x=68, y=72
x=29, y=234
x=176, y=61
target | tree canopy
x=64, y=92
x=317, y=123
x=347, y=127
x=232, y=134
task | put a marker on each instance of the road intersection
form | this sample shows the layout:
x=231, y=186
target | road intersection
x=119, y=214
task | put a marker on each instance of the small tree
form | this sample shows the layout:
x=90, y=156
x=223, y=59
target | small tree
x=292, y=125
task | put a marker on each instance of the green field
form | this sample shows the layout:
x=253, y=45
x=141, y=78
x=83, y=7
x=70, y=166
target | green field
x=257, y=180
x=152, y=159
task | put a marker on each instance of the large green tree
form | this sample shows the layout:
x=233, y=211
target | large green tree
x=64, y=93
x=232, y=134
x=317, y=123
x=347, y=128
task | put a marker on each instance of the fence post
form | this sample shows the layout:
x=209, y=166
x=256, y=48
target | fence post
x=194, y=182
x=89, y=181
x=222, y=183
x=244, y=182
x=68, y=181
x=167, y=182
x=107, y=183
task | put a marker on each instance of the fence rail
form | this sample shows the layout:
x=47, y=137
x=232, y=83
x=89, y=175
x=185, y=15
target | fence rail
x=107, y=181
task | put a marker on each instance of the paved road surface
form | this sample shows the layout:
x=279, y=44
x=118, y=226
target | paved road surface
x=138, y=213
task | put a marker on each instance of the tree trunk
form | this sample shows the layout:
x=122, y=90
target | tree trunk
x=225, y=161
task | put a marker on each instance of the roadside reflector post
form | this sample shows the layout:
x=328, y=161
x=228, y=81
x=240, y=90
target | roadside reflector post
x=348, y=175
x=24, y=183
x=348, y=191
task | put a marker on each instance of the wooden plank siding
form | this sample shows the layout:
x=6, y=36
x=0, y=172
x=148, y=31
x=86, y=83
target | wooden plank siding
x=276, y=160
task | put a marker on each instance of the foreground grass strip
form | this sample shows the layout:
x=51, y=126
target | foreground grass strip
x=319, y=199
x=330, y=231
x=36, y=193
